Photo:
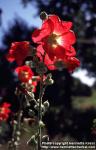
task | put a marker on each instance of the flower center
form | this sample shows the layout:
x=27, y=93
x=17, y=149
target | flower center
x=54, y=40
x=2, y=110
x=25, y=74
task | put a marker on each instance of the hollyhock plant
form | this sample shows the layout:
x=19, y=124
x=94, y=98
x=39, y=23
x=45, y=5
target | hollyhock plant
x=24, y=73
x=4, y=111
x=54, y=50
x=18, y=52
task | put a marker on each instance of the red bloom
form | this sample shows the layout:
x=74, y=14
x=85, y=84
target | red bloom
x=24, y=73
x=56, y=38
x=4, y=111
x=18, y=52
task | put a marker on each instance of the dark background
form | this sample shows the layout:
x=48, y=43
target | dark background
x=73, y=104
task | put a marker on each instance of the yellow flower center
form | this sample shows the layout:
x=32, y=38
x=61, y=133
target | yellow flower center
x=24, y=74
x=54, y=40
x=2, y=110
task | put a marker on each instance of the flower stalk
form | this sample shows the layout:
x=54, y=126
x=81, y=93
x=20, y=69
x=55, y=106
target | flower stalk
x=40, y=113
x=40, y=109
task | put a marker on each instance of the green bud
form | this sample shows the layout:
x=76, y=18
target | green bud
x=31, y=96
x=41, y=124
x=18, y=138
x=16, y=143
x=49, y=80
x=38, y=100
x=36, y=106
x=45, y=138
x=43, y=15
x=18, y=133
x=15, y=122
x=46, y=104
x=42, y=108
x=29, y=63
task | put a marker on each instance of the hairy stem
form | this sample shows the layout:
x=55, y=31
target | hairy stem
x=40, y=109
x=40, y=113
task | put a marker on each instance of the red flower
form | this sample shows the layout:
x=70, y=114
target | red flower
x=56, y=38
x=18, y=52
x=4, y=111
x=24, y=73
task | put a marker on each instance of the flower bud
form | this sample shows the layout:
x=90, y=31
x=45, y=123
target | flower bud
x=36, y=106
x=45, y=138
x=18, y=133
x=41, y=124
x=29, y=63
x=16, y=143
x=46, y=104
x=30, y=96
x=18, y=138
x=49, y=81
x=42, y=108
x=43, y=15
x=15, y=122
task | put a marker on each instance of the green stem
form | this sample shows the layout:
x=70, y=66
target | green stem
x=40, y=113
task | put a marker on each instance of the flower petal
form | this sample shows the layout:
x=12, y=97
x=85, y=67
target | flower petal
x=71, y=52
x=46, y=29
x=48, y=62
x=67, y=25
x=71, y=63
x=58, y=27
x=68, y=39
